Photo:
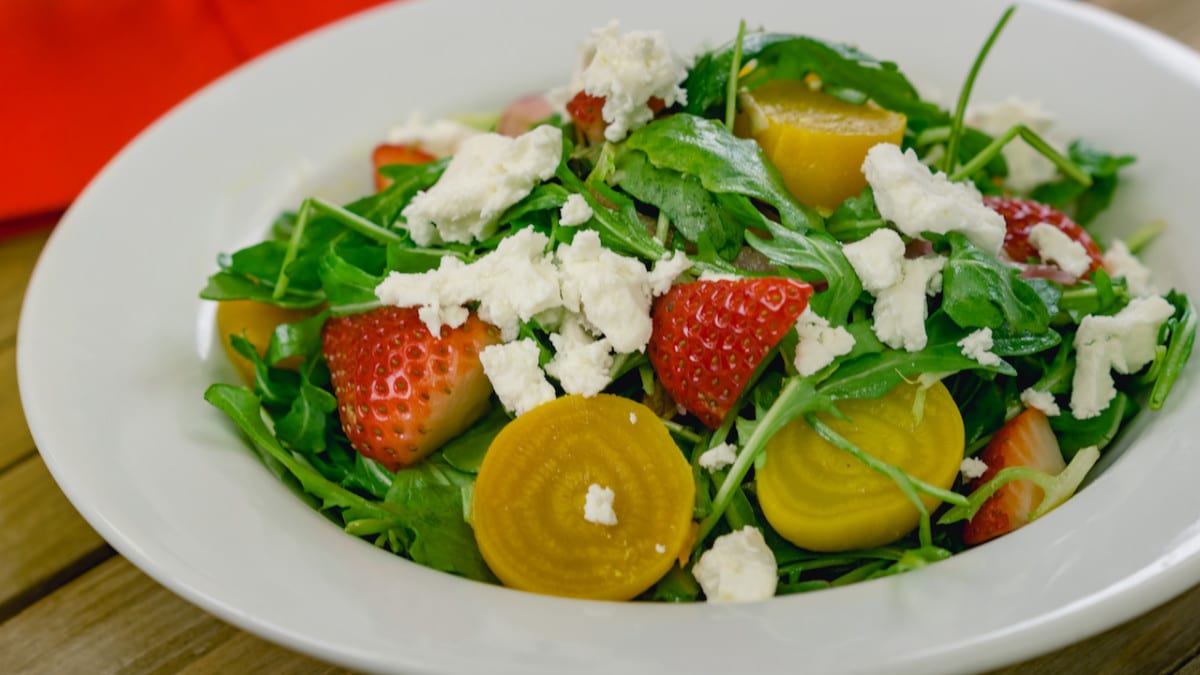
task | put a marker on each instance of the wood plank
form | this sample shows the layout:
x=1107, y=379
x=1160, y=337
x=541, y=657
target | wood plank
x=116, y=619
x=17, y=258
x=43, y=540
x=1172, y=17
x=16, y=443
x=1192, y=667
x=246, y=653
x=1156, y=642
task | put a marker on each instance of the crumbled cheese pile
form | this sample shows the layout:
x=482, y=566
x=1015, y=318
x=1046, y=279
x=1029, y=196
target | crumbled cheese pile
x=1054, y=245
x=488, y=174
x=972, y=468
x=739, y=567
x=1041, y=400
x=597, y=301
x=978, y=346
x=899, y=285
x=1124, y=342
x=627, y=70
x=918, y=201
x=718, y=457
x=598, y=505
x=819, y=343
x=1120, y=262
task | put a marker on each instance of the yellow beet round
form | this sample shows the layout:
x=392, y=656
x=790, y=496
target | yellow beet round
x=257, y=321
x=817, y=142
x=528, y=503
x=823, y=499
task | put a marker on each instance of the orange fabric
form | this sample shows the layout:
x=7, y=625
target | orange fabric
x=82, y=77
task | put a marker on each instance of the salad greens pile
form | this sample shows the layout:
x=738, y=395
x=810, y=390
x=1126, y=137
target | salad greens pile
x=715, y=196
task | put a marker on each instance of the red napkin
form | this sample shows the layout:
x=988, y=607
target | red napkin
x=82, y=77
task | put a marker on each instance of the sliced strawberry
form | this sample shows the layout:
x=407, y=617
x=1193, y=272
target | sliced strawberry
x=402, y=392
x=1021, y=215
x=1025, y=440
x=709, y=336
x=522, y=114
x=586, y=110
x=386, y=154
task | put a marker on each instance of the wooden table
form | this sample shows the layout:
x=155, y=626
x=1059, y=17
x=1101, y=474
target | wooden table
x=69, y=603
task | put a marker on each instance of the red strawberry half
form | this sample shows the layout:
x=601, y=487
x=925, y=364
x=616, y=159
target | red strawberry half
x=401, y=392
x=1021, y=215
x=396, y=154
x=709, y=337
x=1025, y=440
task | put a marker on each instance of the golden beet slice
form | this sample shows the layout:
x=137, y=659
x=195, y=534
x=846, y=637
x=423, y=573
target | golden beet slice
x=257, y=321
x=529, y=498
x=823, y=499
x=817, y=142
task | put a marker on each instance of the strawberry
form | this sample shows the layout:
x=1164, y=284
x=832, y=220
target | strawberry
x=1025, y=440
x=586, y=110
x=395, y=154
x=402, y=392
x=1021, y=215
x=709, y=336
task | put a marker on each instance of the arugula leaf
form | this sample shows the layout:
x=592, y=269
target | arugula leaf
x=304, y=426
x=721, y=161
x=809, y=253
x=466, y=452
x=383, y=208
x=844, y=71
x=442, y=539
x=1082, y=202
x=692, y=210
x=855, y=218
x=299, y=339
x=1074, y=434
x=544, y=197
x=979, y=291
x=348, y=287
x=225, y=285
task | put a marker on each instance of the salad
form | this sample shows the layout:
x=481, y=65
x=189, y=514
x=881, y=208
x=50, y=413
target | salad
x=762, y=322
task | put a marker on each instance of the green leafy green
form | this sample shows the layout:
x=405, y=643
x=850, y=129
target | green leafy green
x=979, y=291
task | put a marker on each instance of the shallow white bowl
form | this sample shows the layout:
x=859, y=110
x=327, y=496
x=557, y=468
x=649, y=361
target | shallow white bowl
x=115, y=351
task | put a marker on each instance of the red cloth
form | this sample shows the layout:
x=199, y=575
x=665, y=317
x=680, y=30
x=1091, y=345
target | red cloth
x=83, y=77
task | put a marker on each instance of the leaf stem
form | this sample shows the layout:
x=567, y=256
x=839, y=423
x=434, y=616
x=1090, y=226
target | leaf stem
x=293, y=249
x=1145, y=234
x=956, y=126
x=1179, y=348
x=353, y=221
x=735, y=67
x=1066, y=166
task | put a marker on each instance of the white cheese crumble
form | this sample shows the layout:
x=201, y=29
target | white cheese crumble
x=978, y=346
x=441, y=138
x=1041, y=400
x=611, y=291
x=581, y=363
x=918, y=201
x=575, y=211
x=1125, y=343
x=513, y=371
x=718, y=276
x=511, y=284
x=819, y=342
x=633, y=418
x=666, y=270
x=972, y=468
x=876, y=259
x=1053, y=245
x=900, y=310
x=738, y=568
x=660, y=549
x=628, y=70
x=489, y=173
x=1027, y=168
x=718, y=457
x=598, y=506
x=1120, y=262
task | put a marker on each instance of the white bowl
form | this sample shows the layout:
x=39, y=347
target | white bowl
x=115, y=351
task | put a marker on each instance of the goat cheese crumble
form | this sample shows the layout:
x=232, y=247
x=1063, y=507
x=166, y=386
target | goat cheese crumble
x=1053, y=245
x=488, y=174
x=1120, y=262
x=1124, y=342
x=739, y=567
x=718, y=457
x=441, y=138
x=917, y=200
x=972, y=468
x=819, y=343
x=598, y=505
x=575, y=211
x=627, y=70
x=978, y=346
x=1041, y=400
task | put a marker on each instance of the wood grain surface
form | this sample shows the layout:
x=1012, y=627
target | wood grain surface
x=69, y=604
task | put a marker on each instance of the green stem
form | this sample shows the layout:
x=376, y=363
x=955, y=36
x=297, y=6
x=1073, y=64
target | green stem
x=681, y=431
x=735, y=67
x=662, y=229
x=1179, y=348
x=293, y=249
x=1066, y=166
x=783, y=411
x=353, y=221
x=956, y=125
x=1144, y=235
